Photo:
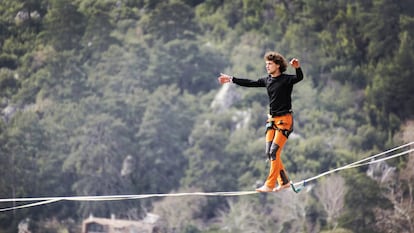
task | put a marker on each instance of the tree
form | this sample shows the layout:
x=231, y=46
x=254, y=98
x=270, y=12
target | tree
x=293, y=218
x=120, y=71
x=60, y=76
x=97, y=151
x=100, y=18
x=9, y=85
x=64, y=25
x=190, y=66
x=382, y=32
x=398, y=189
x=360, y=203
x=205, y=156
x=252, y=14
x=330, y=193
x=381, y=94
x=161, y=141
x=241, y=216
x=190, y=208
x=170, y=21
x=20, y=24
x=25, y=145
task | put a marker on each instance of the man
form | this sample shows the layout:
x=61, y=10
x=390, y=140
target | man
x=280, y=123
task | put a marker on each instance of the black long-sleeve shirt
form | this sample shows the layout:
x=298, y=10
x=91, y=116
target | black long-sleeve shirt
x=279, y=90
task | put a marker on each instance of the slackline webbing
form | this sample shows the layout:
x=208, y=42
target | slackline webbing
x=47, y=200
x=37, y=201
x=361, y=162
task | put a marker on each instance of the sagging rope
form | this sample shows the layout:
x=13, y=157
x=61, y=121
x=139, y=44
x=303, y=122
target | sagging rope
x=296, y=187
x=29, y=205
x=47, y=200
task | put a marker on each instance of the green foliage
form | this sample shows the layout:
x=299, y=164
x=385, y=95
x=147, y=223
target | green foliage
x=380, y=31
x=252, y=14
x=189, y=65
x=96, y=156
x=9, y=85
x=64, y=25
x=53, y=75
x=338, y=230
x=113, y=97
x=161, y=141
x=359, y=215
x=100, y=17
x=381, y=92
x=170, y=21
x=205, y=153
x=8, y=61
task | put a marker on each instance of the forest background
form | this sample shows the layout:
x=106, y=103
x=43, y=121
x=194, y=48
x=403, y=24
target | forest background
x=107, y=97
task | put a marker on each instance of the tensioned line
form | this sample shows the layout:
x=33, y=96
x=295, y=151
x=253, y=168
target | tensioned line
x=360, y=163
x=47, y=200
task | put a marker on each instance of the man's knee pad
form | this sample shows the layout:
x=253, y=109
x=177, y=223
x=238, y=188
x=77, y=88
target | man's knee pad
x=267, y=149
x=273, y=150
x=286, y=132
x=284, y=177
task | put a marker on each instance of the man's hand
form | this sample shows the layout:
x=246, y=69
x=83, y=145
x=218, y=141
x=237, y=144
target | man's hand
x=295, y=63
x=224, y=78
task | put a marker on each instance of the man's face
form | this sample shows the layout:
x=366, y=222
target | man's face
x=272, y=68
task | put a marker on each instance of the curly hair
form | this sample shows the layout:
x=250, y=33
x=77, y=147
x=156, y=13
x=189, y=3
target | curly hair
x=278, y=59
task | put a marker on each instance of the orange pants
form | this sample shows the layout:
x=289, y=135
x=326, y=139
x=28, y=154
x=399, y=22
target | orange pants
x=278, y=130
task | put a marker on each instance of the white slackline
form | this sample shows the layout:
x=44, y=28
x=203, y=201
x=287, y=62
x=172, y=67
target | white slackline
x=47, y=200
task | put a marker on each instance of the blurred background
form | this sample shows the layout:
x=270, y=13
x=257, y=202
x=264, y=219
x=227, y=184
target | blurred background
x=109, y=97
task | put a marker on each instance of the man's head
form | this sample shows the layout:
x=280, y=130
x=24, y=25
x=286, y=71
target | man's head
x=278, y=59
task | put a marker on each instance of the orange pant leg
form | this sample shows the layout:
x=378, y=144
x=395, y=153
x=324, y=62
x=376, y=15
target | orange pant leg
x=275, y=140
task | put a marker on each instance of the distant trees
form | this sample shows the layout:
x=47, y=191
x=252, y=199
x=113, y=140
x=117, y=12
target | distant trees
x=190, y=209
x=331, y=194
x=114, y=97
x=64, y=25
x=359, y=213
x=98, y=149
x=171, y=21
x=393, y=74
x=161, y=141
x=241, y=215
x=398, y=189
